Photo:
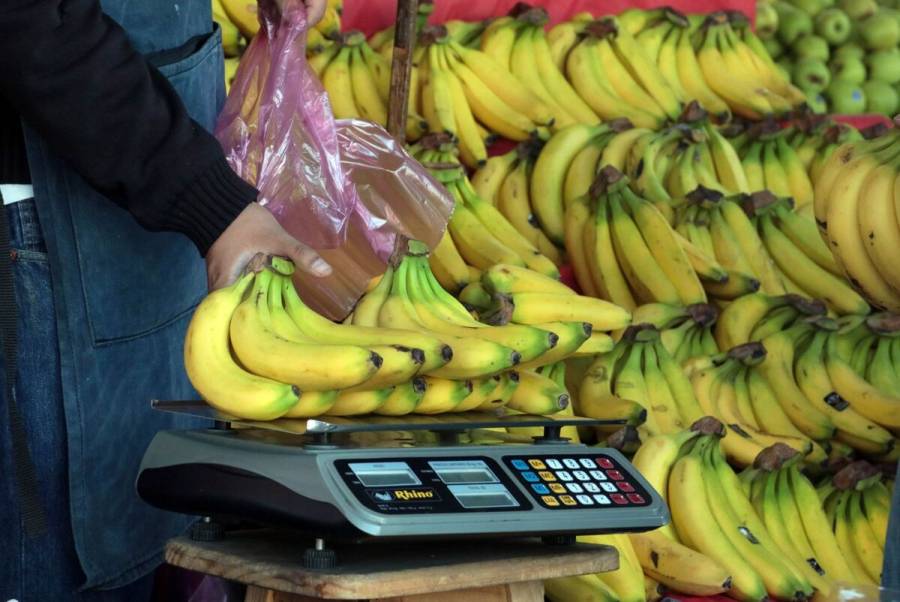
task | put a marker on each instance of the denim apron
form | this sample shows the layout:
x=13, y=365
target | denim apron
x=123, y=297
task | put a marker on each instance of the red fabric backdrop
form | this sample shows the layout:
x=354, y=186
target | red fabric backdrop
x=370, y=16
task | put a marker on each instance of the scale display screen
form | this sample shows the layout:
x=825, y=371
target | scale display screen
x=483, y=496
x=463, y=471
x=384, y=474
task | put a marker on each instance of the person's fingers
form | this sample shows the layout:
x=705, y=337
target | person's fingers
x=307, y=260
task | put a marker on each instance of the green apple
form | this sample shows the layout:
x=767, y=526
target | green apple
x=880, y=97
x=834, y=25
x=817, y=103
x=848, y=50
x=811, y=47
x=811, y=75
x=858, y=9
x=773, y=47
x=890, y=12
x=792, y=23
x=848, y=69
x=879, y=32
x=884, y=65
x=845, y=97
x=766, y=20
x=810, y=7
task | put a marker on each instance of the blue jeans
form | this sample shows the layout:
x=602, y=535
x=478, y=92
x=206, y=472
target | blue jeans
x=43, y=568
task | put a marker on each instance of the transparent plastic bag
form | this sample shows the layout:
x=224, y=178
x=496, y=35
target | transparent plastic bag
x=279, y=134
x=278, y=131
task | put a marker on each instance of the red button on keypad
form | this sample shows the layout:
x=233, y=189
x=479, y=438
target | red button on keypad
x=618, y=498
x=615, y=475
x=635, y=498
x=604, y=463
x=626, y=487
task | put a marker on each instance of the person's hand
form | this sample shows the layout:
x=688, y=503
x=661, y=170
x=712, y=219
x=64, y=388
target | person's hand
x=315, y=10
x=254, y=231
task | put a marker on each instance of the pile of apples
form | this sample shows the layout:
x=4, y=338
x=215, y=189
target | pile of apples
x=842, y=53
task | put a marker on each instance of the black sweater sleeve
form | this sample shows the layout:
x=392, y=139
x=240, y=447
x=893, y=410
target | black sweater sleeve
x=69, y=71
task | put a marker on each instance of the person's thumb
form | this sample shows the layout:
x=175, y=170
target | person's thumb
x=306, y=259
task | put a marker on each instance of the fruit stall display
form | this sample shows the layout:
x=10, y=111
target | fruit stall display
x=652, y=224
x=844, y=55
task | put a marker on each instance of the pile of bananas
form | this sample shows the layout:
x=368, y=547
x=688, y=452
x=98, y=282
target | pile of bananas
x=685, y=331
x=856, y=209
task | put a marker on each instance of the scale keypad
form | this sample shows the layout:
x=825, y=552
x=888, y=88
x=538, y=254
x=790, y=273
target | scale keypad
x=575, y=481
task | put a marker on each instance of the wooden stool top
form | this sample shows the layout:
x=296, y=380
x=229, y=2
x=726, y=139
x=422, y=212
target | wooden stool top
x=272, y=560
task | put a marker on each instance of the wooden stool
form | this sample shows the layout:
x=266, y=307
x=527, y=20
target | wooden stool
x=269, y=563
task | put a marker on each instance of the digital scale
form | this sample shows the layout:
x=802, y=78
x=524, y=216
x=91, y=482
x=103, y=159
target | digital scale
x=397, y=478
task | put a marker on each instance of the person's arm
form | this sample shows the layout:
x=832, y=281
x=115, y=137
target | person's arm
x=72, y=75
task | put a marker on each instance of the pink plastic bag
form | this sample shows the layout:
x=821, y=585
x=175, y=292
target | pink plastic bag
x=278, y=132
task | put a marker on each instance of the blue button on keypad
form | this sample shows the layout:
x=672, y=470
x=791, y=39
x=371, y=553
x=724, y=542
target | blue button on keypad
x=530, y=477
x=520, y=464
x=540, y=488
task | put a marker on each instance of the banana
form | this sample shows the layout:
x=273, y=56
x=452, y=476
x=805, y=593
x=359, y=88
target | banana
x=538, y=308
x=644, y=274
x=488, y=107
x=626, y=581
x=842, y=232
x=644, y=70
x=498, y=39
x=881, y=408
x=752, y=164
x=817, y=282
x=563, y=36
x=365, y=91
x=797, y=179
x=734, y=513
x=596, y=399
x=803, y=233
x=590, y=79
x=475, y=296
x=404, y=398
x=692, y=78
x=777, y=369
x=556, y=84
x=596, y=343
x=619, y=146
x=844, y=535
x=876, y=502
x=768, y=411
x=773, y=170
x=448, y=265
x=737, y=321
x=476, y=244
x=630, y=383
x=609, y=277
x=522, y=63
x=866, y=545
x=582, y=587
x=504, y=84
x=242, y=15
x=878, y=223
x=680, y=386
x=693, y=515
x=727, y=79
x=488, y=179
x=813, y=380
x=678, y=567
x=359, y=401
x=707, y=268
x=548, y=176
x=308, y=365
x=213, y=371
x=538, y=394
x=578, y=222
x=502, y=278
x=338, y=83
x=817, y=529
x=747, y=240
x=494, y=222
x=368, y=307
x=472, y=149
x=443, y=395
x=582, y=171
x=729, y=170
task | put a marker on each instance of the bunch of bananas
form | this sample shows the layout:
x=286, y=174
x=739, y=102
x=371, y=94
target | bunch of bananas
x=756, y=316
x=358, y=82
x=478, y=235
x=623, y=249
x=856, y=211
x=640, y=383
x=242, y=15
x=685, y=331
x=857, y=504
x=815, y=142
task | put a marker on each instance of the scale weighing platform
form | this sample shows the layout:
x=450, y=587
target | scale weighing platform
x=402, y=478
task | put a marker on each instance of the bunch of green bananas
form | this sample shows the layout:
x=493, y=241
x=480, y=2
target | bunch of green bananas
x=771, y=162
x=790, y=508
x=856, y=211
x=640, y=383
x=624, y=249
x=754, y=317
x=857, y=504
x=686, y=331
x=712, y=513
x=815, y=137
x=358, y=82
